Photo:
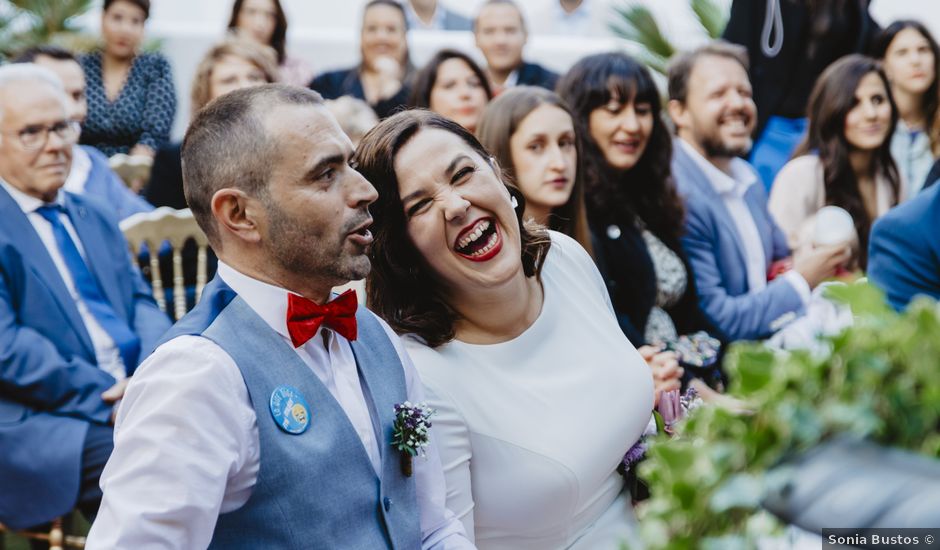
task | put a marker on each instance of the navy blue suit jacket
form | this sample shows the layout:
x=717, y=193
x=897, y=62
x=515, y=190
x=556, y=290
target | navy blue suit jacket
x=533, y=74
x=904, y=249
x=50, y=384
x=334, y=84
x=716, y=254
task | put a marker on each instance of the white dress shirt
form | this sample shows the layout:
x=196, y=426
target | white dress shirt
x=732, y=187
x=107, y=354
x=78, y=173
x=186, y=443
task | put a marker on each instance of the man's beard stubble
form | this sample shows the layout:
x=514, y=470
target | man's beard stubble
x=306, y=254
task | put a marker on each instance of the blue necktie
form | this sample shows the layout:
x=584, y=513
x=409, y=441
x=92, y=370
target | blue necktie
x=88, y=288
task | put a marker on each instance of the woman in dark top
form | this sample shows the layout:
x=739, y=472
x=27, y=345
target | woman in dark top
x=788, y=48
x=131, y=99
x=380, y=78
x=634, y=211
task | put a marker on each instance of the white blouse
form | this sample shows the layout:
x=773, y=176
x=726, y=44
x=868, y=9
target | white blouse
x=531, y=431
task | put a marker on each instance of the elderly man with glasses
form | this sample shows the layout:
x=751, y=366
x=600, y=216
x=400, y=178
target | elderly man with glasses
x=76, y=317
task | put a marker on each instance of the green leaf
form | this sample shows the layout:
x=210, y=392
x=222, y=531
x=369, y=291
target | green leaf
x=741, y=491
x=637, y=24
x=712, y=17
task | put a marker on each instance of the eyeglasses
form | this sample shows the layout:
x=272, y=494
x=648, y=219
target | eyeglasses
x=34, y=137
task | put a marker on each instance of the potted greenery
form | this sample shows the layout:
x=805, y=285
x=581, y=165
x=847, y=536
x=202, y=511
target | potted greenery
x=878, y=382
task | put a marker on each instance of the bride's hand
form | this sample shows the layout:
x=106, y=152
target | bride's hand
x=667, y=374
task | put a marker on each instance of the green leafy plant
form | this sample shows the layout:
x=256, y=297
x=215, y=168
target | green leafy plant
x=637, y=24
x=879, y=382
x=32, y=22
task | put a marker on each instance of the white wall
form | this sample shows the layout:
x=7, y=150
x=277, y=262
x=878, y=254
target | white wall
x=325, y=32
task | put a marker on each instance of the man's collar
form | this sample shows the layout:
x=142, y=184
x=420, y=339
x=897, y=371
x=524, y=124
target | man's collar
x=27, y=203
x=415, y=21
x=737, y=183
x=268, y=301
x=79, y=171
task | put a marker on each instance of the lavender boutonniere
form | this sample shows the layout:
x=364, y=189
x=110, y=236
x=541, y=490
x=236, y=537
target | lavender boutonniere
x=410, y=432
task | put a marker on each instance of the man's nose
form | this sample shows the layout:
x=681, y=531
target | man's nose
x=363, y=192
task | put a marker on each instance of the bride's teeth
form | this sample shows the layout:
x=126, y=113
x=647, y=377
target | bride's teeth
x=475, y=234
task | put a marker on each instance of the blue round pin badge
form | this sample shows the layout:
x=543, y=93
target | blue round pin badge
x=290, y=410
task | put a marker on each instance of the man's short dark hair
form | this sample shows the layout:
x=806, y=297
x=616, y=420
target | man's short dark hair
x=512, y=3
x=29, y=55
x=680, y=68
x=226, y=145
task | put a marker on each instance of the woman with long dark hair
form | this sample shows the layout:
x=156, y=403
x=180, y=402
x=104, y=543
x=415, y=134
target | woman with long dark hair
x=635, y=213
x=845, y=160
x=531, y=133
x=453, y=85
x=789, y=44
x=381, y=77
x=264, y=22
x=911, y=60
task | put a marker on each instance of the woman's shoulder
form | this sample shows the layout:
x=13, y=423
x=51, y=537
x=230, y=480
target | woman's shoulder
x=90, y=59
x=802, y=169
x=154, y=60
x=800, y=176
x=439, y=367
x=566, y=252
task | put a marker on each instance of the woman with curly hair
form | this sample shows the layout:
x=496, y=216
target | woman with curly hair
x=634, y=210
x=845, y=160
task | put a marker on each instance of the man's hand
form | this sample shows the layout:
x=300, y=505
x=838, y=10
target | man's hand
x=818, y=264
x=113, y=395
x=667, y=373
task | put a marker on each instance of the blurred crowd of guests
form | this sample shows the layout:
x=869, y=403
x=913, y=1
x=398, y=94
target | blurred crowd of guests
x=699, y=208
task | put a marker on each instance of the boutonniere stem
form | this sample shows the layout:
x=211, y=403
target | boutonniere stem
x=410, y=433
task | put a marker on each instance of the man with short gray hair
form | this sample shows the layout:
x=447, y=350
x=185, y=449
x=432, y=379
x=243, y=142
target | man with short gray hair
x=76, y=317
x=266, y=418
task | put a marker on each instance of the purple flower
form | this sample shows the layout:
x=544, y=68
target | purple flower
x=634, y=455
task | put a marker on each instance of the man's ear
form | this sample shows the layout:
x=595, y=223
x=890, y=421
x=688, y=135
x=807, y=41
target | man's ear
x=678, y=113
x=237, y=214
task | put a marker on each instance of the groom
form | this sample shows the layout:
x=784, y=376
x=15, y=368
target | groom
x=265, y=419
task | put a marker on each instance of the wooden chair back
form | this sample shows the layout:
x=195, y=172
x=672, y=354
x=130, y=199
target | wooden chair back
x=175, y=227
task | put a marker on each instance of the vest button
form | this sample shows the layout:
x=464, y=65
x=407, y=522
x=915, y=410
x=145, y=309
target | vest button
x=387, y=502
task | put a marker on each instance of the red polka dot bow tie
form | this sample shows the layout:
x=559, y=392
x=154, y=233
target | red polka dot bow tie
x=305, y=317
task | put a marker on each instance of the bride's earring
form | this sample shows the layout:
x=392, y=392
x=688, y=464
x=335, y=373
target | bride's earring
x=513, y=202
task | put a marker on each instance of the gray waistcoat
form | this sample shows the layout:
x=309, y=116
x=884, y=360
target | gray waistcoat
x=318, y=489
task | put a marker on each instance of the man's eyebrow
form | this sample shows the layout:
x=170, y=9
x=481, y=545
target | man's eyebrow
x=331, y=160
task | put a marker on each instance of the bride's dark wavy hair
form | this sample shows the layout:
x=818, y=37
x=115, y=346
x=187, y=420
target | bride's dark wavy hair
x=645, y=191
x=402, y=288
x=829, y=104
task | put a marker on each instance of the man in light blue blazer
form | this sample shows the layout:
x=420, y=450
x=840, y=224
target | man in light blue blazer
x=904, y=254
x=731, y=239
x=75, y=315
